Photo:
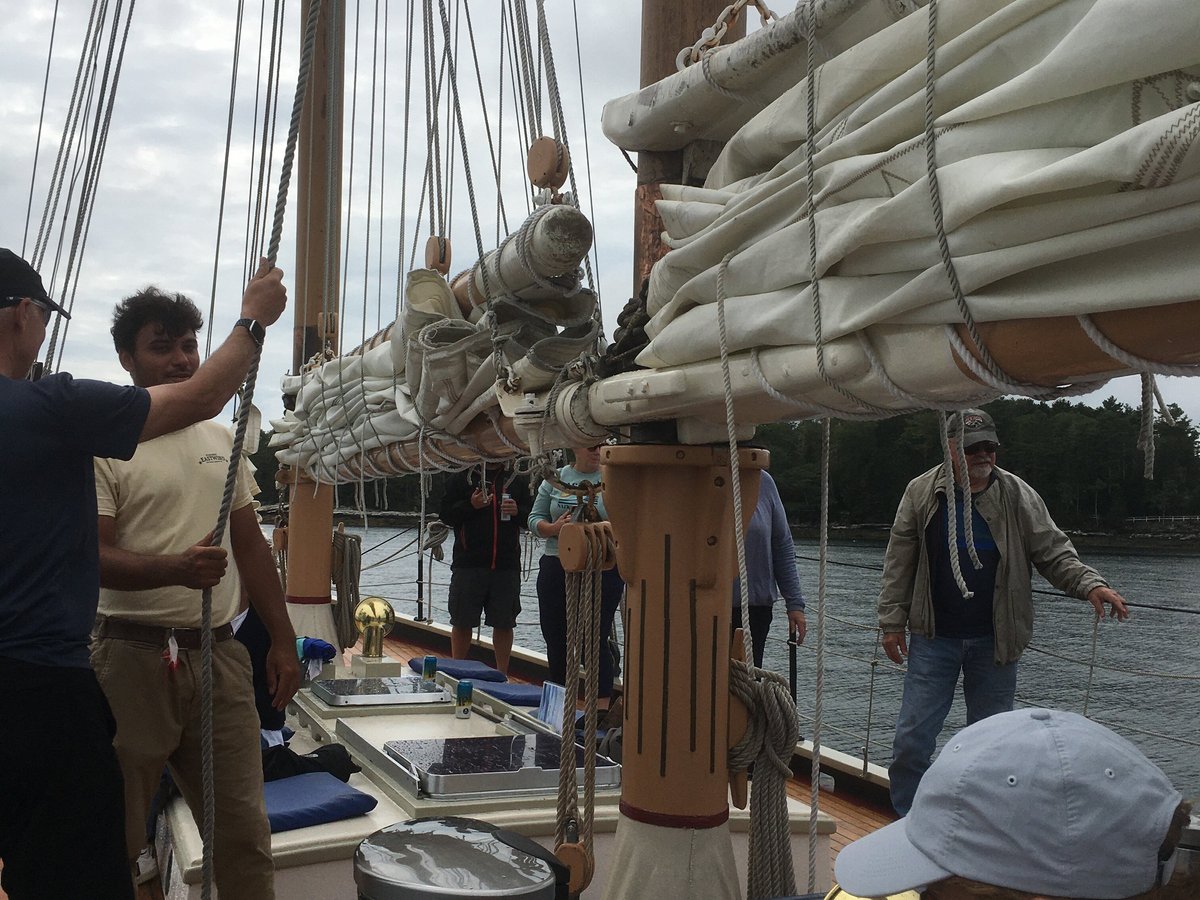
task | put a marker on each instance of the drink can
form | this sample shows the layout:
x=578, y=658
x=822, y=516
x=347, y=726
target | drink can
x=429, y=671
x=504, y=517
x=462, y=699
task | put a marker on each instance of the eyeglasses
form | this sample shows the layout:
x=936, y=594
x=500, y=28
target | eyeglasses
x=47, y=312
x=982, y=447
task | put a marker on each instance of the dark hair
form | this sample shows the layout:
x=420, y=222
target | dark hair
x=177, y=314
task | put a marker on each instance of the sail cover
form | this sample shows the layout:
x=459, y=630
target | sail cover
x=1065, y=152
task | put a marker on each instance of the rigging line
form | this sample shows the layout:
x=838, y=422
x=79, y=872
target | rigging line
x=532, y=92
x=275, y=97
x=408, y=30
x=37, y=145
x=587, y=147
x=547, y=52
x=370, y=176
x=65, y=146
x=1058, y=595
x=91, y=205
x=248, y=237
x=346, y=237
x=74, y=161
x=433, y=174
x=94, y=163
x=810, y=213
x=382, y=187
x=448, y=177
x=487, y=125
x=237, y=53
x=256, y=194
x=462, y=136
x=334, y=127
x=501, y=216
x=243, y=412
x=524, y=129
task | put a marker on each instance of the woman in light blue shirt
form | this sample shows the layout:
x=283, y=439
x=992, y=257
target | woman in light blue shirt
x=552, y=509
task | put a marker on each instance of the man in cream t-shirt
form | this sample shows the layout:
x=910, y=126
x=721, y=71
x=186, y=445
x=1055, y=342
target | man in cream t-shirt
x=156, y=513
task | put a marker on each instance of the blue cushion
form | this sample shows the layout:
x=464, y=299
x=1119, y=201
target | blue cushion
x=460, y=668
x=313, y=799
x=514, y=693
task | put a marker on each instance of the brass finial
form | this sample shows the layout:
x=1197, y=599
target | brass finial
x=374, y=618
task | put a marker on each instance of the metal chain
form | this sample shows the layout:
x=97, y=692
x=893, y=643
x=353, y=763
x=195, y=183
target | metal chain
x=711, y=37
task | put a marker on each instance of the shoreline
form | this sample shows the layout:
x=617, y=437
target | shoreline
x=1141, y=543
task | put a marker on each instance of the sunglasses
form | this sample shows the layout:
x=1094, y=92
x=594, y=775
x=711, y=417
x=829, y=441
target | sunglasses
x=981, y=447
x=47, y=312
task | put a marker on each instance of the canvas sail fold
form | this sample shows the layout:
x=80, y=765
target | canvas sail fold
x=1069, y=175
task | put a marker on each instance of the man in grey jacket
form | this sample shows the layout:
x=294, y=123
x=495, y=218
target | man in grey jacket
x=971, y=612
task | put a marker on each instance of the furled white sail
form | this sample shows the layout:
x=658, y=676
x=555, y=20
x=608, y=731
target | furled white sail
x=422, y=393
x=1069, y=175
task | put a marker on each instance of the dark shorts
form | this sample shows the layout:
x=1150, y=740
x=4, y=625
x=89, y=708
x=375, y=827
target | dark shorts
x=494, y=591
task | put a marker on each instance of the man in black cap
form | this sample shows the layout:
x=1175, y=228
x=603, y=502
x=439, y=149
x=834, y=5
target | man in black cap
x=60, y=785
x=967, y=603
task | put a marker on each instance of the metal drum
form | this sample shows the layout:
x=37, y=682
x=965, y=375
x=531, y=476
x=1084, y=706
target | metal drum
x=451, y=857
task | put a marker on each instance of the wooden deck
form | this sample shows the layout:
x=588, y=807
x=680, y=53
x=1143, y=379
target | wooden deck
x=855, y=815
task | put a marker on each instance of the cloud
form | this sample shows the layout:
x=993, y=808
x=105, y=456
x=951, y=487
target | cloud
x=156, y=212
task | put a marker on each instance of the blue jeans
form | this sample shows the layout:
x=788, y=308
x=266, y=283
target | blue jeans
x=933, y=668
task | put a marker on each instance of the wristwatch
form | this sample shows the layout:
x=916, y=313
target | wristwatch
x=255, y=328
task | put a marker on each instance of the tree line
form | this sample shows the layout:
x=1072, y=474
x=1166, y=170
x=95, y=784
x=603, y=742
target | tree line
x=1083, y=460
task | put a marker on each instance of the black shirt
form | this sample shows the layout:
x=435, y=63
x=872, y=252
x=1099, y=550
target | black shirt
x=956, y=616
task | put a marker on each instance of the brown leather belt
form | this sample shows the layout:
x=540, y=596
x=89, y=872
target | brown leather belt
x=186, y=638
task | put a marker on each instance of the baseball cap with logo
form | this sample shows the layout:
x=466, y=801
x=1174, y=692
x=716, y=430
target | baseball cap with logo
x=976, y=426
x=1035, y=800
x=19, y=281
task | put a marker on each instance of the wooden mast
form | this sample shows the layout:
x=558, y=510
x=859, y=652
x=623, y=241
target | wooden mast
x=667, y=27
x=318, y=237
x=672, y=511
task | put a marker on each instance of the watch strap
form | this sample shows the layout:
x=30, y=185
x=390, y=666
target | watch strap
x=256, y=329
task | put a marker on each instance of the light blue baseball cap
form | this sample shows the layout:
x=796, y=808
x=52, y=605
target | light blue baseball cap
x=1035, y=800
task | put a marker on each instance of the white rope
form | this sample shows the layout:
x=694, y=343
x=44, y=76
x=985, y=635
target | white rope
x=773, y=728
x=948, y=484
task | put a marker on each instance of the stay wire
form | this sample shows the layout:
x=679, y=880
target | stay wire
x=37, y=145
x=233, y=77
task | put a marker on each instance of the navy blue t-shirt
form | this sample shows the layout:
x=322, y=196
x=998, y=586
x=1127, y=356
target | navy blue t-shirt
x=50, y=430
x=954, y=615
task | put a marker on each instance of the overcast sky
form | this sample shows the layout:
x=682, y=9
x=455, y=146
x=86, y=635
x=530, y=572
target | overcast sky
x=156, y=213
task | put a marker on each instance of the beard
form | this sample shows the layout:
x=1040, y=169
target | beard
x=980, y=471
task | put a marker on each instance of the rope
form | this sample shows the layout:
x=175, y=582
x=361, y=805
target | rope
x=818, y=710
x=773, y=729
x=810, y=210
x=237, y=54
x=347, y=569
x=37, y=146
x=235, y=453
x=106, y=97
x=952, y=510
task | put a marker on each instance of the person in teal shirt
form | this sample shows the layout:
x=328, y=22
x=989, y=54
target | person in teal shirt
x=552, y=509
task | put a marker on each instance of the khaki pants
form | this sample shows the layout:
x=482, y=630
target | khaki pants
x=158, y=723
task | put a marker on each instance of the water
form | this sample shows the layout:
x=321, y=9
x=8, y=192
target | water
x=1145, y=684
